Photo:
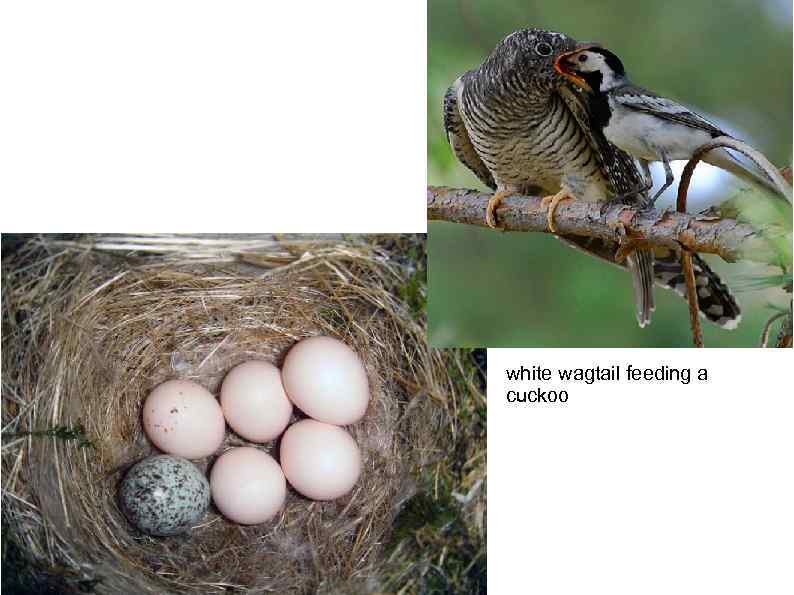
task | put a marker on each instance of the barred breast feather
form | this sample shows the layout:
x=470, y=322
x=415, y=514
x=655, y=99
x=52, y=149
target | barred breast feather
x=522, y=145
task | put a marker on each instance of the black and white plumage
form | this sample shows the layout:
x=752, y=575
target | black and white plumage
x=523, y=128
x=647, y=126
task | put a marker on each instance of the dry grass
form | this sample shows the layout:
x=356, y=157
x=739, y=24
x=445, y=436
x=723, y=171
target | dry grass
x=91, y=326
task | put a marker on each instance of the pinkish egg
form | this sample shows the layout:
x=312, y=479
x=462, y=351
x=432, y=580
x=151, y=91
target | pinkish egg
x=326, y=380
x=247, y=486
x=254, y=401
x=321, y=461
x=182, y=418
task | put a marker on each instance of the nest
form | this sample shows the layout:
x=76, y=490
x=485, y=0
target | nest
x=91, y=326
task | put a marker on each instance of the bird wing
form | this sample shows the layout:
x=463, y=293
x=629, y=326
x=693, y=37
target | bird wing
x=642, y=100
x=458, y=136
x=621, y=171
x=618, y=167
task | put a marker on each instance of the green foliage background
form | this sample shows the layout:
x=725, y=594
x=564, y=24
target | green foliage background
x=730, y=58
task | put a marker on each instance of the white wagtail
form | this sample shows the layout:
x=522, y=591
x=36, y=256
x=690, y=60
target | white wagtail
x=645, y=125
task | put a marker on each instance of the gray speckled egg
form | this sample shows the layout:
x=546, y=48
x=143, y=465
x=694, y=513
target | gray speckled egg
x=164, y=495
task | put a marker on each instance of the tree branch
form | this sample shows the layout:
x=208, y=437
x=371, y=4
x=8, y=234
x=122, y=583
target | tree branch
x=731, y=239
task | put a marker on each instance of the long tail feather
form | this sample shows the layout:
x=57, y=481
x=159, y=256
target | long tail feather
x=715, y=301
x=640, y=265
x=724, y=160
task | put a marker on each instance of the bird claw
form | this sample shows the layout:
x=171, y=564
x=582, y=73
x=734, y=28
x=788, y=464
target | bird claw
x=635, y=196
x=544, y=203
x=493, y=204
x=651, y=201
x=551, y=203
x=491, y=220
x=627, y=245
x=490, y=217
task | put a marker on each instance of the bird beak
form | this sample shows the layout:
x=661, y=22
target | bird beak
x=565, y=65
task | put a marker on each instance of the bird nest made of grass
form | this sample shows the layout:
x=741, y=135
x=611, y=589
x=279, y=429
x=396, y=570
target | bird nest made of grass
x=91, y=325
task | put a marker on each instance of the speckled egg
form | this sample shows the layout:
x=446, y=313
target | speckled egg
x=164, y=495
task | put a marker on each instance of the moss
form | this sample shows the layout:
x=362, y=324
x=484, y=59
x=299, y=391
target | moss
x=414, y=293
x=410, y=252
x=437, y=538
x=427, y=524
x=21, y=576
x=65, y=433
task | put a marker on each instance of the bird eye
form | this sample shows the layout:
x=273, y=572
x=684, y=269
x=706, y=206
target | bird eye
x=543, y=49
x=582, y=57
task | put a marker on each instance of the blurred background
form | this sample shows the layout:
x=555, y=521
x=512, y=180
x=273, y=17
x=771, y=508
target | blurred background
x=732, y=62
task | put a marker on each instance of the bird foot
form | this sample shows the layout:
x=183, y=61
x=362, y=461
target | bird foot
x=551, y=202
x=493, y=204
x=637, y=196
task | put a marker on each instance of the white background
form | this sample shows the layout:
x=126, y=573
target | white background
x=162, y=115
x=643, y=487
